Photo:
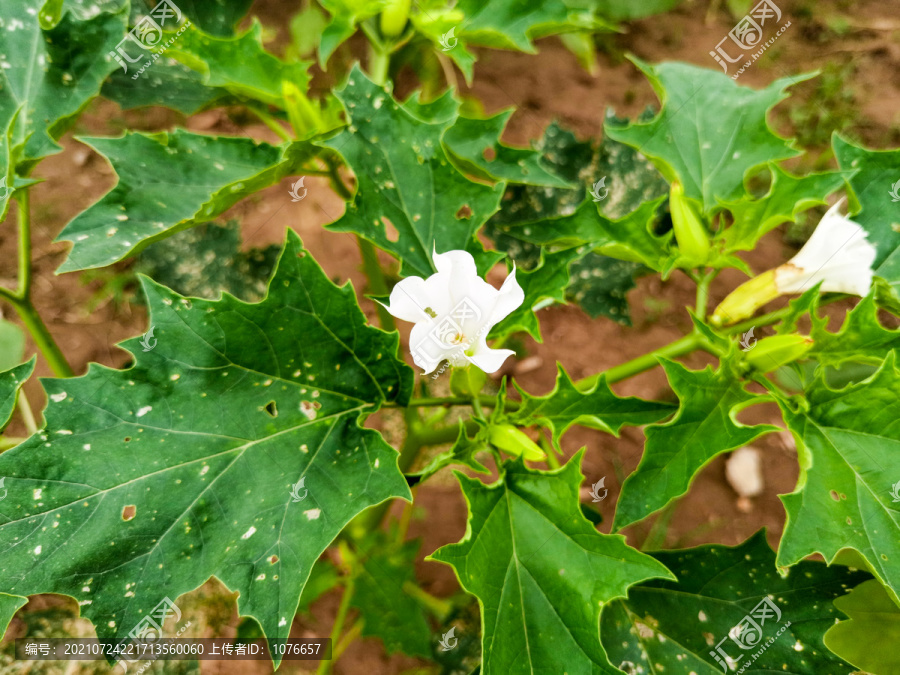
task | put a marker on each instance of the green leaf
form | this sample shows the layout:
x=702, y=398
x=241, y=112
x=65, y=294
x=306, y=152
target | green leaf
x=10, y=382
x=388, y=611
x=9, y=605
x=462, y=452
x=169, y=182
x=12, y=344
x=541, y=571
x=704, y=427
x=600, y=284
x=868, y=639
x=323, y=577
x=597, y=408
x=217, y=251
x=207, y=436
x=861, y=339
x=239, y=64
x=710, y=131
x=405, y=179
x=672, y=626
x=345, y=14
x=847, y=441
x=167, y=83
x=475, y=140
x=874, y=183
x=543, y=286
x=788, y=196
x=217, y=17
x=51, y=73
x=626, y=10
x=511, y=24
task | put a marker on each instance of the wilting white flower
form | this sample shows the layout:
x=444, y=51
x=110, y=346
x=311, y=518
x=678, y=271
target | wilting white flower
x=454, y=310
x=838, y=255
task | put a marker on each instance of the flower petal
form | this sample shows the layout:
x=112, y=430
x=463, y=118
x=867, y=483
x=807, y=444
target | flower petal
x=409, y=299
x=508, y=298
x=489, y=360
x=456, y=263
x=427, y=352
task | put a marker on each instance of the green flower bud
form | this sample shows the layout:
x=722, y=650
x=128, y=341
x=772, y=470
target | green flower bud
x=693, y=241
x=744, y=300
x=514, y=442
x=394, y=17
x=467, y=381
x=779, y=350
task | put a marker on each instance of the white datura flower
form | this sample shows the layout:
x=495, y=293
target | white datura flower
x=838, y=255
x=453, y=311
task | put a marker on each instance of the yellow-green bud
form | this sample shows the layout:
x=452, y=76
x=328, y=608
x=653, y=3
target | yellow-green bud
x=302, y=114
x=693, y=241
x=514, y=442
x=744, y=300
x=779, y=350
x=394, y=17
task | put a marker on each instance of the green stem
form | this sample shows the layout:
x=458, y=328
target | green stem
x=272, y=123
x=337, y=182
x=7, y=442
x=343, y=609
x=27, y=415
x=429, y=401
x=440, y=608
x=43, y=339
x=379, y=63
x=24, y=215
x=703, y=293
x=680, y=347
x=348, y=639
x=377, y=282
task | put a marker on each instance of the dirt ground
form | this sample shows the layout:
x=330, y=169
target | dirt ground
x=858, y=41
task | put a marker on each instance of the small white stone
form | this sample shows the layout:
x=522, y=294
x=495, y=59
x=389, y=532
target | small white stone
x=744, y=471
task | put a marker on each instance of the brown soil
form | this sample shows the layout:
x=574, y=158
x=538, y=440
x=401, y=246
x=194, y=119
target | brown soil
x=545, y=87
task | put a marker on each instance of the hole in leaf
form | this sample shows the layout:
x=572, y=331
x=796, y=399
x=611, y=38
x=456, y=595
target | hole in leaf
x=272, y=409
x=835, y=496
x=489, y=154
x=127, y=439
x=273, y=559
x=129, y=512
x=389, y=230
x=464, y=212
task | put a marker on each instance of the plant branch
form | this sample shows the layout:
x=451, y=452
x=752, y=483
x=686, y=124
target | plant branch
x=27, y=415
x=429, y=401
x=343, y=609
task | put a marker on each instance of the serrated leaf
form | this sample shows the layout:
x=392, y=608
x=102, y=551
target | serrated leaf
x=600, y=284
x=323, y=577
x=345, y=14
x=10, y=382
x=474, y=140
x=543, y=286
x=597, y=408
x=9, y=605
x=167, y=83
x=847, y=441
x=541, y=571
x=217, y=263
x=169, y=182
x=216, y=17
x=406, y=179
x=462, y=452
x=51, y=73
x=206, y=438
x=861, y=338
x=672, y=626
x=239, y=64
x=710, y=131
x=874, y=184
x=387, y=610
x=511, y=24
x=867, y=639
x=704, y=427
x=788, y=196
